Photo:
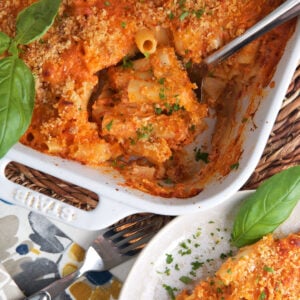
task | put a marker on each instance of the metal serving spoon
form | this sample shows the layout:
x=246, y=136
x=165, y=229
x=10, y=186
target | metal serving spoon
x=286, y=11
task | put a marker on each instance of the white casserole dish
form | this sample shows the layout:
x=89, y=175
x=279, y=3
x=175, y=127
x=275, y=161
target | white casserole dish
x=117, y=201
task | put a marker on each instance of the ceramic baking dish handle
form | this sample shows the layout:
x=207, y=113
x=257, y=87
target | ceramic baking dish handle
x=107, y=212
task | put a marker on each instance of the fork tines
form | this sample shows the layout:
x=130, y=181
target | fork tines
x=131, y=234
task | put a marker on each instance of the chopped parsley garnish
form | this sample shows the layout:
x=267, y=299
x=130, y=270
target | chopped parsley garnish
x=173, y=107
x=185, y=12
x=196, y=265
x=123, y=24
x=167, y=271
x=144, y=132
x=132, y=141
x=169, y=258
x=182, y=3
x=108, y=126
x=183, y=245
x=197, y=234
x=116, y=163
x=176, y=107
x=198, y=261
x=268, y=269
x=199, y=155
x=199, y=13
x=183, y=15
x=168, y=181
x=234, y=166
x=170, y=290
x=225, y=255
x=171, y=15
x=107, y=3
x=162, y=94
x=187, y=252
x=262, y=296
x=188, y=64
x=158, y=110
x=186, y=279
x=167, y=108
x=161, y=80
x=127, y=63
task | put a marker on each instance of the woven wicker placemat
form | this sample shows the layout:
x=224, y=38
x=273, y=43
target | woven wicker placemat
x=281, y=152
x=283, y=148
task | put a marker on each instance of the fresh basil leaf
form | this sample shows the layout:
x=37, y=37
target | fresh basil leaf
x=17, y=94
x=13, y=48
x=35, y=20
x=267, y=208
x=4, y=42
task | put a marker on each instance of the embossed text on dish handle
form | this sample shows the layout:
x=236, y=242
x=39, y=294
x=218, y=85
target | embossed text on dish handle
x=43, y=204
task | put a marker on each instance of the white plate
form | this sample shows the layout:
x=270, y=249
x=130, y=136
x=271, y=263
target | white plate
x=205, y=234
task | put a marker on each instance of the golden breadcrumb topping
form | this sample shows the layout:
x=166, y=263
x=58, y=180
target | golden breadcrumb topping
x=269, y=269
x=101, y=100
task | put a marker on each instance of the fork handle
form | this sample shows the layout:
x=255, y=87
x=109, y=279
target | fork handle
x=40, y=296
x=286, y=11
x=55, y=288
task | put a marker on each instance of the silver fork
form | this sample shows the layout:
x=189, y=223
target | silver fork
x=114, y=245
x=286, y=11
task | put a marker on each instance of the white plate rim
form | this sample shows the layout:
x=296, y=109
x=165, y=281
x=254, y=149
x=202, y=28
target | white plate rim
x=138, y=278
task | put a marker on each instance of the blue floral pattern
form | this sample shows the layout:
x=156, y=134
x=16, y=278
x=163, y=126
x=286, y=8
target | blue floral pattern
x=34, y=252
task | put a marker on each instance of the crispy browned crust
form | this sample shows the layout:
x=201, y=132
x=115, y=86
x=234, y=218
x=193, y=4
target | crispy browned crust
x=89, y=36
x=269, y=269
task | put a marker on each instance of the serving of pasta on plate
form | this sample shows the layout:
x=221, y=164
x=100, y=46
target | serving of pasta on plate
x=195, y=256
x=113, y=86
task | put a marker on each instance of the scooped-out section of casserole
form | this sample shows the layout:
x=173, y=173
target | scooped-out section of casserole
x=113, y=86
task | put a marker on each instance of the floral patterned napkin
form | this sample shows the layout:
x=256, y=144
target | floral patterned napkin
x=35, y=251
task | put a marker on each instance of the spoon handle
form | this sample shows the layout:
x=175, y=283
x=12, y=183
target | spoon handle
x=285, y=12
